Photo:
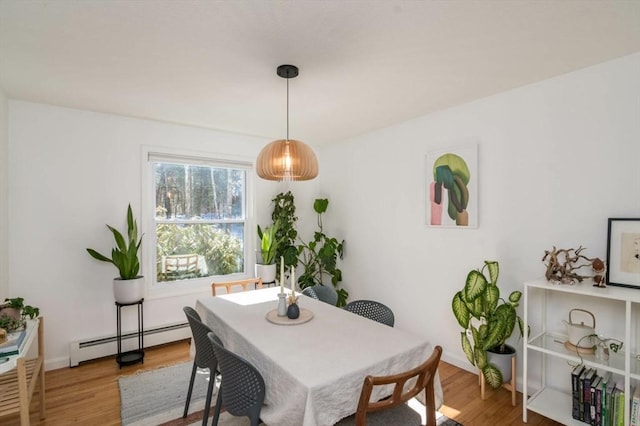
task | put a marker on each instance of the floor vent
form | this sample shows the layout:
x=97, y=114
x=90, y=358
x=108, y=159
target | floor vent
x=84, y=350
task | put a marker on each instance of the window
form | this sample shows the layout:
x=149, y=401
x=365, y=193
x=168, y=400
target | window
x=199, y=217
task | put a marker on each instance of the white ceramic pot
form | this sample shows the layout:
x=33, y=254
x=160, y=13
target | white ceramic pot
x=502, y=361
x=266, y=272
x=128, y=291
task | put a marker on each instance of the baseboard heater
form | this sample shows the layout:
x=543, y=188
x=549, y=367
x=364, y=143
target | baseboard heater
x=85, y=350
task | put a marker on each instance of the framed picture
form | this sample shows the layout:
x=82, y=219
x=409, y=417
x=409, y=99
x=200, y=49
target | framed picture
x=452, y=187
x=623, y=252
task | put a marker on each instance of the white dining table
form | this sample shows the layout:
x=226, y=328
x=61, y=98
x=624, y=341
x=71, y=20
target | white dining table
x=313, y=371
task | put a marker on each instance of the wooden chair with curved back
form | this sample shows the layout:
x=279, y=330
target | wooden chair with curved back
x=243, y=283
x=425, y=374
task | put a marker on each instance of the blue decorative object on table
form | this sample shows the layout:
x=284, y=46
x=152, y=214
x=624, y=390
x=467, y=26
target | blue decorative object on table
x=293, y=311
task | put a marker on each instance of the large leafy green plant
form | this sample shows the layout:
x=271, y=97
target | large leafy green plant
x=319, y=257
x=485, y=317
x=125, y=255
x=284, y=212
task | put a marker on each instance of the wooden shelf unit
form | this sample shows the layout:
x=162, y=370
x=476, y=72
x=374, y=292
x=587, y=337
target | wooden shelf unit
x=20, y=376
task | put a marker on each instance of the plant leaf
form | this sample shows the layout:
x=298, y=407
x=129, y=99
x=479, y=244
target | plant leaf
x=492, y=375
x=491, y=297
x=496, y=332
x=466, y=347
x=98, y=256
x=475, y=285
x=481, y=357
x=494, y=270
x=320, y=205
x=460, y=310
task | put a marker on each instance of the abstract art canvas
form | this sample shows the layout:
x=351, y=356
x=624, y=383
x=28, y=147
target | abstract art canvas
x=452, y=187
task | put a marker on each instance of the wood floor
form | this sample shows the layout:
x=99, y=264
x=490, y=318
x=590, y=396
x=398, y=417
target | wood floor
x=89, y=395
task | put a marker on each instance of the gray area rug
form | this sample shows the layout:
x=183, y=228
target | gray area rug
x=157, y=397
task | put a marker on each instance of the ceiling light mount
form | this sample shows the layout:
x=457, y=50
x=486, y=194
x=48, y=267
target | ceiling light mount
x=288, y=71
x=287, y=159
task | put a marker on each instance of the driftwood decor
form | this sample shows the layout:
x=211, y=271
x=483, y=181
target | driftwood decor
x=562, y=265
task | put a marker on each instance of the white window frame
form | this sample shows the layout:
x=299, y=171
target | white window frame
x=152, y=154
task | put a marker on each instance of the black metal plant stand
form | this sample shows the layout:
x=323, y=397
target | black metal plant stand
x=136, y=355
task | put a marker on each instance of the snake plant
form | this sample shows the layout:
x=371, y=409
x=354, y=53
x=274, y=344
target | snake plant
x=125, y=255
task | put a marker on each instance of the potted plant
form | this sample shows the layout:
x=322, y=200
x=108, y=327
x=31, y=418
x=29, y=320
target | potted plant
x=129, y=287
x=319, y=257
x=13, y=313
x=269, y=243
x=489, y=321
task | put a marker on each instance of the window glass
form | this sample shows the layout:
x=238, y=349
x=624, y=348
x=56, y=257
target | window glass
x=200, y=218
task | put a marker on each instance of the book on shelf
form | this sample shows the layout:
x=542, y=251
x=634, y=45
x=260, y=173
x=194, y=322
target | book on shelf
x=581, y=401
x=601, y=398
x=595, y=407
x=12, y=345
x=618, y=400
x=575, y=390
x=635, y=402
x=586, y=386
x=609, y=402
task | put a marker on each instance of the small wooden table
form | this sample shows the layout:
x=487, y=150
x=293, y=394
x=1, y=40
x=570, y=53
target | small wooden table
x=19, y=376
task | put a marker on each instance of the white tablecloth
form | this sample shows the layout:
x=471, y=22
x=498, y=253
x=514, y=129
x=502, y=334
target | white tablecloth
x=313, y=371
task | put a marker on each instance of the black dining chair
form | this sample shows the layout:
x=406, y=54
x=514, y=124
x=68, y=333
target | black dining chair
x=323, y=293
x=373, y=310
x=205, y=358
x=242, y=388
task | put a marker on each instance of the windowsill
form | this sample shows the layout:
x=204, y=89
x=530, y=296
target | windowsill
x=168, y=289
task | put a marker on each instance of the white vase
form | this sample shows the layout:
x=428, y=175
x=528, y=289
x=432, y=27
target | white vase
x=128, y=291
x=266, y=272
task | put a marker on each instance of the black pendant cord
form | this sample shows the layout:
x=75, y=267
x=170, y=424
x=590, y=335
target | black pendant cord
x=287, y=108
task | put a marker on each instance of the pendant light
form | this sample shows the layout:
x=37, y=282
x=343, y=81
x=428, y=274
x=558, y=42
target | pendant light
x=287, y=159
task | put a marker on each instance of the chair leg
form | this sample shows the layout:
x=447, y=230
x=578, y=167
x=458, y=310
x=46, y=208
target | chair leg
x=254, y=415
x=207, y=405
x=217, y=408
x=430, y=405
x=193, y=376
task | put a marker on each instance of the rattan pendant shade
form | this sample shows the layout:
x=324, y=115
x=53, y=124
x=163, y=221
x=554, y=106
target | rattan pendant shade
x=287, y=159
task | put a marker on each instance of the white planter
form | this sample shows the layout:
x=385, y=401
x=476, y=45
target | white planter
x=502, y=361
x=266, y=272
x=128, y=291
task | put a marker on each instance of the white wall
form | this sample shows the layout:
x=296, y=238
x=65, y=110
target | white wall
x=70, y=173
x=556, y=159
x=4, y=225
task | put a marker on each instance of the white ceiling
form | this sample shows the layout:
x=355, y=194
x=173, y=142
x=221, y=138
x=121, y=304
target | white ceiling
x=363, y=64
